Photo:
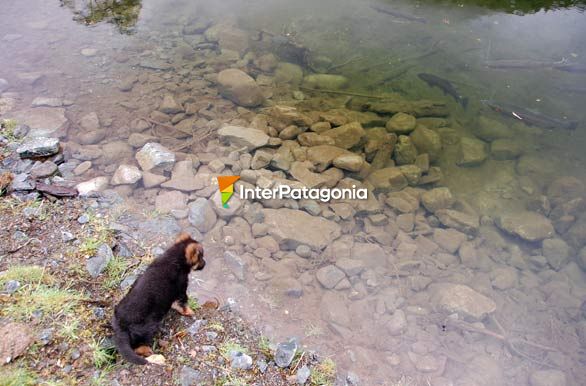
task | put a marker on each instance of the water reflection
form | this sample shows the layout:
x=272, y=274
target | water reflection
x=123, y=13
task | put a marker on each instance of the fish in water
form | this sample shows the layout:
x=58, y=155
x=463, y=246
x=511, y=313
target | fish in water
x=398, y=14
x=445, y=85
x=532, y=118
x=521, y=64
x=571, y=67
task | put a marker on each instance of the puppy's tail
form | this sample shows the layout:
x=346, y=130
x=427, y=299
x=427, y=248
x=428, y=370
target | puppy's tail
x=122, y=340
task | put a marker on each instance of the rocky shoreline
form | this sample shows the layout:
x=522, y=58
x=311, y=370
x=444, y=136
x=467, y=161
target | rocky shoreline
x=413, y=282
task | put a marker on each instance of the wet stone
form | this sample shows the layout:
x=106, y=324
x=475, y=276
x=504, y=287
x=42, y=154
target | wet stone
x=236, y=264
x=126, y=175
x=97, y=184
x=170, y=106
x=154, y=155
x=461, y=299
x=438, y=198
x=240, y=88
x=472, y=152
x=170, y=200
x=556, y=251
x=43, y=170
x=401, y=123
x=240, y=136
x=329, y=276
x=529, y=226
x=38, y=147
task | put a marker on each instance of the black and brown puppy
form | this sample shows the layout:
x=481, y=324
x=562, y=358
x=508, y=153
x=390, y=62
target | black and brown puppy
x=161, y=287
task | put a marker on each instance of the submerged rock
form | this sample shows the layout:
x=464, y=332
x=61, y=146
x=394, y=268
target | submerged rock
x=461, y=299
x=240, y=136
x=240, y=88
x=126, y=175
x=437, y=198
x=292, y=228
x=529, y=226
x=329, y=276
x=154, y=155
x=401, y=123
x=427, y=141
x=325, y=81
x=387, y=179
x=346, y=136
x=43, y=121
x=472, y=152
x=97, y=184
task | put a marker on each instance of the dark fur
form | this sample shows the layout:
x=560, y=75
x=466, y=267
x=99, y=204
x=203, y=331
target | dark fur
x=138, y=315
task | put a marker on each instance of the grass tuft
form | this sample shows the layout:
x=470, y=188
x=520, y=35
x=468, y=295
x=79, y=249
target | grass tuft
x=227, y=347
x=51, y=301
x=324, y=373
x=25, y=274
x=17, y=377
x=103, y=356
x=114, y=273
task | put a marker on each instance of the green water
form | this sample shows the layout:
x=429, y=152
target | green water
x=83, y=52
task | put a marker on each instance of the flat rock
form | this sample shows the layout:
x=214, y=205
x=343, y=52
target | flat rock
x=464, y=222
x=169, y=200
x=461, y=299
x=43, y=121
x=44, y=169
x=240, y=136
x=15, y=338
x=151, y=180
x=47, y=102
x=38, y=147
x=285, y=353
x=292, y=228
x=529, y=226
x=329, y=276
x=183, y=178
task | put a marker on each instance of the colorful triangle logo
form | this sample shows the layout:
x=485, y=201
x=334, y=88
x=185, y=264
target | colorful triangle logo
x=226, y=185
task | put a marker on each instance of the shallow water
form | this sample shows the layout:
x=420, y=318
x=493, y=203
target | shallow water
x=82, y=55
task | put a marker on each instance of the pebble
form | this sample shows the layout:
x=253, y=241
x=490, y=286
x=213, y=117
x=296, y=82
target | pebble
x=189, y=376
x=11, y=286
x=303, y=375
x=38, y=147
x=83, y=219
x=98, y=263
x=67, y=236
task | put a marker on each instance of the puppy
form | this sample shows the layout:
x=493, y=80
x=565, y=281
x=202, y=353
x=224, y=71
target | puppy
x=161, y=287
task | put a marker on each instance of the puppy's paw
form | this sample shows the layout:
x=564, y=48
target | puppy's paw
x=143, y=351
x=186, y=311
x=156, y=359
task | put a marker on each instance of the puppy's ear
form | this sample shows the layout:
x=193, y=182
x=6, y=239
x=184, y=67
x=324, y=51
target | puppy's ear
x=182, y=237
x=193, y=253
